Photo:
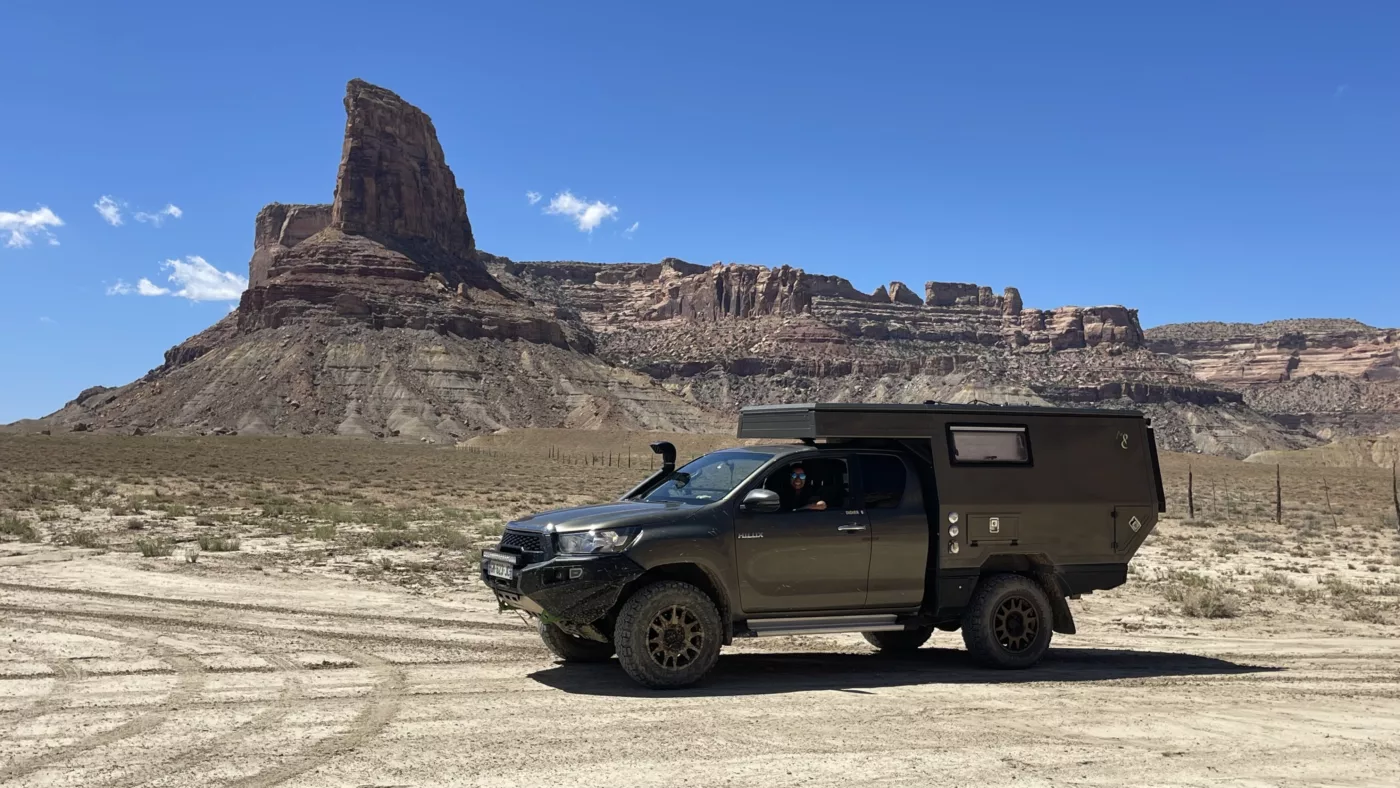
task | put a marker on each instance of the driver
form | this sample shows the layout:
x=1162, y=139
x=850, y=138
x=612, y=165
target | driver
x=803, y=499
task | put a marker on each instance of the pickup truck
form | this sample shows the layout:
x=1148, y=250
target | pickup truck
x=892, y=521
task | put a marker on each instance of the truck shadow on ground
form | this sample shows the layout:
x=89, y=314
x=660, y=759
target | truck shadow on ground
x=766, y=674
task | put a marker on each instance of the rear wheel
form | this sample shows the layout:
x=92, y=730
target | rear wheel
x=668, y=635
x=894, y=642
x=1008, y=623
x=573, y=649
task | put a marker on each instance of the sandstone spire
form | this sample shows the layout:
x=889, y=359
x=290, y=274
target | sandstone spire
x=394, y=185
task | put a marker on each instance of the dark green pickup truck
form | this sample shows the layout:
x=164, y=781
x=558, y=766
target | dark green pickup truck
x=888, y=520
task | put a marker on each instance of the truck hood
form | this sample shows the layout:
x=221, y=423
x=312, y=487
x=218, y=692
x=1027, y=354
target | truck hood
x=610, y=515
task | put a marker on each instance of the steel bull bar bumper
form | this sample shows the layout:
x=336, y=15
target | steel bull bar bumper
x=572, y=591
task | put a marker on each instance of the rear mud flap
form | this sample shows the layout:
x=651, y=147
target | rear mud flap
x=1055, y=589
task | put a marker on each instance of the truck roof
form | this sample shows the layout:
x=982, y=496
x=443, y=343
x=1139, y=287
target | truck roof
x=882, y=420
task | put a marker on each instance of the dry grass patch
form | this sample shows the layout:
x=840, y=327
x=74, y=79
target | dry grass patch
x=12, y=525
x=1198, y=596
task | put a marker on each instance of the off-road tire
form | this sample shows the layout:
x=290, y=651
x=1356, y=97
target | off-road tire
x=899, y=641
x=570, y=648
x=1008, y=623
x=668, y=635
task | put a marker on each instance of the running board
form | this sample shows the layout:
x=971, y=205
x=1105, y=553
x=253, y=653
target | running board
x=822, y=625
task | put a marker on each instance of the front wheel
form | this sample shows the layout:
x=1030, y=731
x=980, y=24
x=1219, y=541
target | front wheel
x=668, y=635
x=895, y=642
x=1008, y=624
x=573, y=649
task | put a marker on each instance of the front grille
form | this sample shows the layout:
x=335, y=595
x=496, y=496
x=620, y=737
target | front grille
x=522, y=541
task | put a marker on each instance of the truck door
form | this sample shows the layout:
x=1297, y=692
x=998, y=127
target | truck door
x=899, y=530
x=799, y=559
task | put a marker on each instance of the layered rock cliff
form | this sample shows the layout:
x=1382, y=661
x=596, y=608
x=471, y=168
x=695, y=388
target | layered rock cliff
x=1331, y=377
x=376, y=315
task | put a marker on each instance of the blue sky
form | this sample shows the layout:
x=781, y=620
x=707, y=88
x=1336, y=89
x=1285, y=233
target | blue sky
x=1196, y=160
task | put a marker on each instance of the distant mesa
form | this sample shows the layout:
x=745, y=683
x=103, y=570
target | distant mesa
x=376, y=315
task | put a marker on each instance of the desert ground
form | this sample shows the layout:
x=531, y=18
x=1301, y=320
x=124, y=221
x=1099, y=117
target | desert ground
x=230, y=611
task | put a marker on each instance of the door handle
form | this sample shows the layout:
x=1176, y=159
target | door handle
x=851, y=527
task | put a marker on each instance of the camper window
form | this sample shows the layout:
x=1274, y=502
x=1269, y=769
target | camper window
x=986, y=445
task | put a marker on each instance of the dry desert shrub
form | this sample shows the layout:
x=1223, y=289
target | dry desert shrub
x=12, y=525
x=155, y=548
x=1198, y=596
x=219, y=544
x=81, y=538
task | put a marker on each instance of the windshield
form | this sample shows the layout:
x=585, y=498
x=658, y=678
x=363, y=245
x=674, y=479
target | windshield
x=708, y=478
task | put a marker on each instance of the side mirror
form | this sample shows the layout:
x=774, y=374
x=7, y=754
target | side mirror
x=761, y=500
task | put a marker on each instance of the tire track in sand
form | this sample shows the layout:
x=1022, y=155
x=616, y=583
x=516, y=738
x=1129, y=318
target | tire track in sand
x=189, y=679
x=387, y=638
x=381, y=705
x=65, y=674
x=255, y=608
x=380, y=708
x=190, y=758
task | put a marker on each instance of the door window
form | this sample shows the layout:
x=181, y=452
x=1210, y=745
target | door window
x=812, y=484
x=882, y=480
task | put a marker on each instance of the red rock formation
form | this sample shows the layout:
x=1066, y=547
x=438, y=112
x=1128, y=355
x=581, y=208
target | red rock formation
x=949, y=294
x=280, y=227
x=1243, y=354
x=394, y=185
x=739, y=291
x=394, y=250
x=901, y=294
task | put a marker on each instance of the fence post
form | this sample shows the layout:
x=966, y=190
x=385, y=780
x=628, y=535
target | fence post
x=1395, y=494
x=1190, y=495
x=1327, y=496
x=1278, y=494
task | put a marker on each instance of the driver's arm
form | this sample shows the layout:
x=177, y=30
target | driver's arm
x=817, y=505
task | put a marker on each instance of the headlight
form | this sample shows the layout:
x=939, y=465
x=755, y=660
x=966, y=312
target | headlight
x=612, y=540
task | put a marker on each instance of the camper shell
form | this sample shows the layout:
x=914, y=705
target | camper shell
x=889, y=520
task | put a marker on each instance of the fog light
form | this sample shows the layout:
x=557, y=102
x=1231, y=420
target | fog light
x=953, y=547
x=575, y=573
x=953, y=530
x=952, y=517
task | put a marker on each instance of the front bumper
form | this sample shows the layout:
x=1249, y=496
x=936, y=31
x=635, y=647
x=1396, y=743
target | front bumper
x=572, y=590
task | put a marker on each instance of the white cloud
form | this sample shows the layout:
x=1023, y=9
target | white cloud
x=587, y=215
x=630, y=230
x=110, y=209
x=158, y=218
x=200, y=281
x=196, y=279
x=46, y=319
x=23, y=224
x=143, y=287
x=533, y=197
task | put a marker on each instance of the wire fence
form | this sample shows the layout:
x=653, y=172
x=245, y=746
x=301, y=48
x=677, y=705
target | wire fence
x=1284, y=494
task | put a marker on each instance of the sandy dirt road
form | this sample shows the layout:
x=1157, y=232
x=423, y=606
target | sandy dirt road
x=112, y=676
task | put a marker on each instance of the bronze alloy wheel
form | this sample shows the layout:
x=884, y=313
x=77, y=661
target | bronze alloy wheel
x=675, y=637
x=1016, y=624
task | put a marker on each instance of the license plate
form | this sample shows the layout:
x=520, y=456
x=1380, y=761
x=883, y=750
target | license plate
x=503, y=571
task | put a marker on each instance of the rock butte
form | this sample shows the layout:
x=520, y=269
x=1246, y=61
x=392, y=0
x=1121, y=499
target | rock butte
x=376, y=315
